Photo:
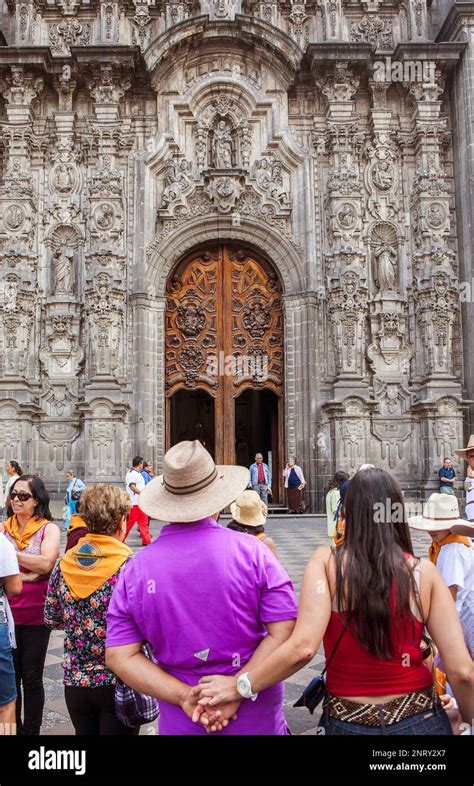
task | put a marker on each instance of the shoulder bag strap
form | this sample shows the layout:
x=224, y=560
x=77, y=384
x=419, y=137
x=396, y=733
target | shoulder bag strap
x=328, y=663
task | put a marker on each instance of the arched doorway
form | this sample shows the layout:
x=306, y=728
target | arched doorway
x=224, y=372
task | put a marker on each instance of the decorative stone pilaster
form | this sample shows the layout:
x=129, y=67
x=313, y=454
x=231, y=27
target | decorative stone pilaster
x=435, y=281
x=18, y=231
x=345, y=260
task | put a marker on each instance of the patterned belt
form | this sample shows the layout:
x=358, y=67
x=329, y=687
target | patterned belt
x=381, y=714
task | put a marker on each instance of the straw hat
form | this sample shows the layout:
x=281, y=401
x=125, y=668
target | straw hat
x=191, y=486
x=441, y=511
x=464, y=451
x=249, y=509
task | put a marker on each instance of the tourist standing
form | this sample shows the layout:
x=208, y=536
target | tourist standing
x=367, y=600
x=452, y=553
x=77, y=529
x=333, y=499
x=447, y=477
x=468, y=455
x=73, y=494
x=134, y=484
x=294, y=484
x=261, y=478
x=14, y=471
x=79, y=593
x=35, y=537
x=147, y=472
x=217, y=594
x=249, y=515
x=11, y=584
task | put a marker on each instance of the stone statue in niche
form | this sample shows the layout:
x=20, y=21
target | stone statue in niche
x=63, y=180
x=382, y=175
x=63, y=263
x=386, y=268
x=221, y=146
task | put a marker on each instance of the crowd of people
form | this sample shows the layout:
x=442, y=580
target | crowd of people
x=205, y=622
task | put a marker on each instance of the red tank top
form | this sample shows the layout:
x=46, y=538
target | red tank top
x=355, y=672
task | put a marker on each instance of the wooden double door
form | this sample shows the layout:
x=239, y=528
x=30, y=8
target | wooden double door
x=224, y=356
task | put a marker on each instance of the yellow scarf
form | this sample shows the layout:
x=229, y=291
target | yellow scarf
x=75, y=522
x=30, y=529
x=340, y=531
x=91, y=563
x=436, y=546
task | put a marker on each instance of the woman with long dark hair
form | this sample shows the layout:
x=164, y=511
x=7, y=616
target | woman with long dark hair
x=368, y=601
x=35, y=537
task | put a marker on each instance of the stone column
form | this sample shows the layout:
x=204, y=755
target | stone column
x=61, y=351
x=19, y=318
x=388, y=353
x=148, y=364
x=459, y=26
x=435, y=282
x=301, y=389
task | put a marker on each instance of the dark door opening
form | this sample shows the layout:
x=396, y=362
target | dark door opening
x=192, y=417
x=257, y=427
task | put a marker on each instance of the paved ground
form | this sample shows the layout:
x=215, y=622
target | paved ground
x=296, y=538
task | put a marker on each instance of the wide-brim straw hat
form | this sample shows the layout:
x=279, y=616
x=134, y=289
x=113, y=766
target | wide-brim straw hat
x=249, y=509
x=464, y=451
x=441, y=511
x=192, y=486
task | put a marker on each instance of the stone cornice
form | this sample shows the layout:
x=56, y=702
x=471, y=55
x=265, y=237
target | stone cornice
x=447, y=52
x=27, y=55
x=107, y=54
x=338, y=52
x=461, y=12
x=41, y=56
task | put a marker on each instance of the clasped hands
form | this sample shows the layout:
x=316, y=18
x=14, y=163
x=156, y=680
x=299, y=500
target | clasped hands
x=213, y=702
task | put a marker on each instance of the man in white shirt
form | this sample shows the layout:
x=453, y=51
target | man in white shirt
x=134, y=484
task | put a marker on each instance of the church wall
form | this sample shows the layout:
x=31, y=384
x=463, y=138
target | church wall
x=131, y=132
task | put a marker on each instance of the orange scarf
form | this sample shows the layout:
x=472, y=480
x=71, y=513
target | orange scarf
x=436, y=546
x=91, y=563
x=30, y=529
x=75, y=522
x=340, y=531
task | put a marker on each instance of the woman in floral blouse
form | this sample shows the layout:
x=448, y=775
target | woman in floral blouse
x=79, y=593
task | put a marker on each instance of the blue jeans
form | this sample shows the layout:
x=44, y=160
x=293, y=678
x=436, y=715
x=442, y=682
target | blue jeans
x=446, y=490
x=71, y=509
x=432, y=722
x=7, y=670
x=262, y=491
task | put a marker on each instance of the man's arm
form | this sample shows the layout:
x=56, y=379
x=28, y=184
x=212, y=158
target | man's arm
x=134, y=488
x=136, y=670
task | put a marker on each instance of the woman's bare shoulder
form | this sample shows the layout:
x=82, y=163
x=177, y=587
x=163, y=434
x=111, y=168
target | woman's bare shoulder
x=322, y=555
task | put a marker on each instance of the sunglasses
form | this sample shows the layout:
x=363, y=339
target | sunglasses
x=23, y=496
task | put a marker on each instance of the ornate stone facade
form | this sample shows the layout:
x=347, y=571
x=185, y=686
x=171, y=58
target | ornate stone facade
x=329, y=136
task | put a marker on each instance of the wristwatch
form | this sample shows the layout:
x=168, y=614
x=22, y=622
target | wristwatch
x=244, y=687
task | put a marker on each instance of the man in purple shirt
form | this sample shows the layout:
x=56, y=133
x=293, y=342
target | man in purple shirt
x=208, y=599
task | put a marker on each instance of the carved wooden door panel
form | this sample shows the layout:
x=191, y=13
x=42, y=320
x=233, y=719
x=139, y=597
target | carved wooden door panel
x=224, y=333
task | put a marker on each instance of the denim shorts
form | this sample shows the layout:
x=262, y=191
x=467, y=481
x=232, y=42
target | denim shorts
x=431, y=722
x=7, y=670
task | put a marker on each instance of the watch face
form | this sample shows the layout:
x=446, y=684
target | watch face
x=243, y=686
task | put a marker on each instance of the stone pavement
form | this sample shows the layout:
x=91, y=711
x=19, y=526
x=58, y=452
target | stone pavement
x=296, y=538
